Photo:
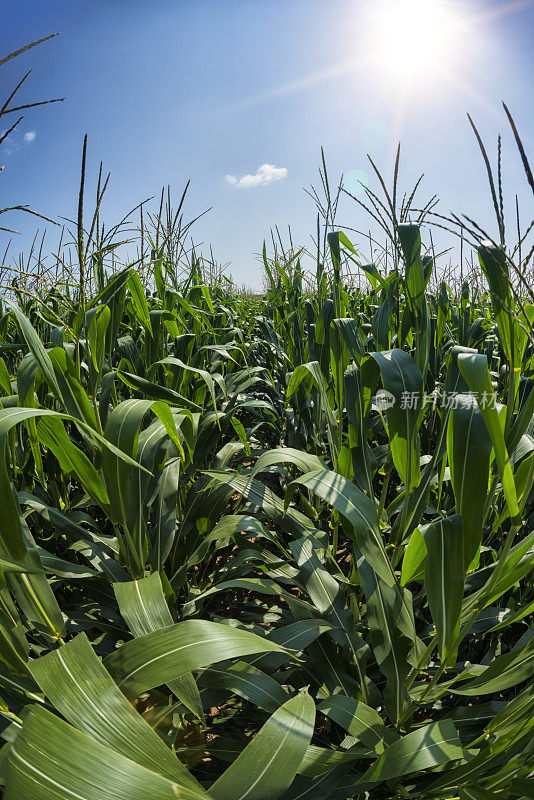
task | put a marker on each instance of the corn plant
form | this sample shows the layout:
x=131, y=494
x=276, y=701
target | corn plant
x=267, y=547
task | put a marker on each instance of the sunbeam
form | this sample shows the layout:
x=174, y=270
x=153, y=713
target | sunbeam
x=415, y=39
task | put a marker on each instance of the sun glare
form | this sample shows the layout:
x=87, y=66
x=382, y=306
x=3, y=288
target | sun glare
x=415, y=39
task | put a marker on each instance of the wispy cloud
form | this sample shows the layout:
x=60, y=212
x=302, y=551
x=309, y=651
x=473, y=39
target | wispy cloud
x=265, y=174
x=29, y=136
x=9, y=144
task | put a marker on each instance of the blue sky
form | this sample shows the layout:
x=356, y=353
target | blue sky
x=204, y=89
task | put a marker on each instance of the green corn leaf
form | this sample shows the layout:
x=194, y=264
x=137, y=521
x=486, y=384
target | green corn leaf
x=320, y=760
x=415, y=277
x=8, y=565
x=241, y=433
x=444, y=580
x=11, y=539
x=167, y=515
x=402, y=378
x=10, y=417
x=521, y=422
x=356, y=509
x=163, y=655
x=322, y=588
x=79, y=686
x=74, y=397
x=312, y=371
x=5, y=380
x=62, y=568
x=474, y=368
x=268, y=764
x=358, y=434
x=262, y=497
x=505, y=671
x=304, y=462
x=248, y=682
x=36, y=348
x=171, y=361
x=392, y=634
x=71, y=459
x=230, y=525
x=360, y=721
x=31, y=588
x=58, y=519
x=122, y=430
x=350, y=335
x=14, y=648
x=39, y=770
x=97, y=321
x=477, y=793
x=139, y=300
x=469, y=449
x=28, y=378
x=155, y=392
x=494, y=265
x=426, y=747
x=143, y=606
x=413, y=563
x=293, y=638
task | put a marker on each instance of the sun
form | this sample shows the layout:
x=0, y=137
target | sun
x=415, y=39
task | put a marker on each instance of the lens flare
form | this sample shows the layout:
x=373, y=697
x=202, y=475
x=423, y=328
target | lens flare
x=415, y=39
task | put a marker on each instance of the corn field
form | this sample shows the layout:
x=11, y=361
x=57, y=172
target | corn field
x=278, y=546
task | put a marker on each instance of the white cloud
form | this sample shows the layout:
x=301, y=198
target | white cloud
x=265, y=174
x=30, y=136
